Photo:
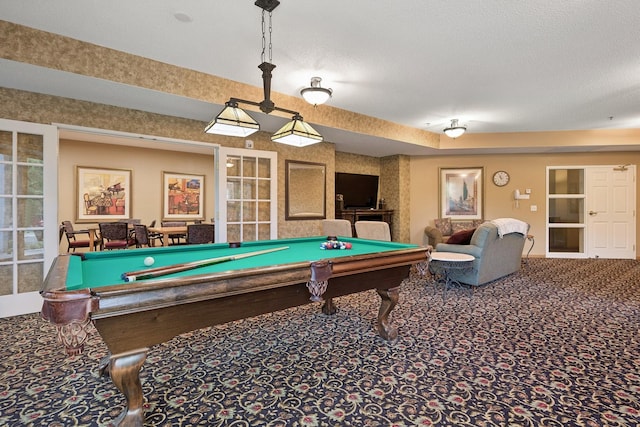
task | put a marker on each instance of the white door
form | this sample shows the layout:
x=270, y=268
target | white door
x=610, y=209
x=28, y=213
x=247, y=196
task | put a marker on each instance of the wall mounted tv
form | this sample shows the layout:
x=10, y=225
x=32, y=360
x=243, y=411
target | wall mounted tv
x=358, y=191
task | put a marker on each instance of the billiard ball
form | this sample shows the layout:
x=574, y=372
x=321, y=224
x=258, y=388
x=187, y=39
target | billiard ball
x=148, y=261
x=347, y=245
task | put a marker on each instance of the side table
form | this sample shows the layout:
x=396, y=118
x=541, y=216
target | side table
x=447, y=266
x=532, y=239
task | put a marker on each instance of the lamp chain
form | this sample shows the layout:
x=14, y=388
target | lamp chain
x=264, y=40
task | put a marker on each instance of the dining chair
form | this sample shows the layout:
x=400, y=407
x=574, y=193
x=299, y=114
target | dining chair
x=141, y=234
x=373, y=230
x=336, y=227
x=154, y=236
x=66, y=228
x=200, y=233
x=176, y=239
x=115, y=235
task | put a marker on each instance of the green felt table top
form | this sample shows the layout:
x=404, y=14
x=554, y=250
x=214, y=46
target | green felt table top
x=105, y=268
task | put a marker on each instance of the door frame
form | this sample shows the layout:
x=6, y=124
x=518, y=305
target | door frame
x=18, y=303
x=584, y=224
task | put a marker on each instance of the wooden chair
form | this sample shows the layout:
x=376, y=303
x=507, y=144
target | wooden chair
x=336, y=227
x=154, y=236
x=115, y=235
x=373, y=230
x=200, y=233
x=66, y=228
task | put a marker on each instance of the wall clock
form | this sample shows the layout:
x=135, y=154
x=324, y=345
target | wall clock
x=501, y=178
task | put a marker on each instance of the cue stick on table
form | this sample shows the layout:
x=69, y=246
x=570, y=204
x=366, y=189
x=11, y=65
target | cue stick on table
x=132, y=276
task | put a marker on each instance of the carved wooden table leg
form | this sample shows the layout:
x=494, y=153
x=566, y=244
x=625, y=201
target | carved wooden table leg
x=389, y=300
x=125, y=374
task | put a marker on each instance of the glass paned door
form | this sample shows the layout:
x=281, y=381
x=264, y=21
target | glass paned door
x=28, y=213
x=246, y=201
x=566, y=217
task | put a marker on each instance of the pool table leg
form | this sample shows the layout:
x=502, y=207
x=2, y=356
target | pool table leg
x=125, y=374
x=389, y=300
x=329, y=307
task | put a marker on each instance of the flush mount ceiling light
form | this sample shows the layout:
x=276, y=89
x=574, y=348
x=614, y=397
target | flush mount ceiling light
x=454, y=130
x=234, y=121
x=316, y=95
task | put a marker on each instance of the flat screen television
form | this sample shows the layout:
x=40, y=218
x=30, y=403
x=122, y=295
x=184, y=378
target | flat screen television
x=358, y=191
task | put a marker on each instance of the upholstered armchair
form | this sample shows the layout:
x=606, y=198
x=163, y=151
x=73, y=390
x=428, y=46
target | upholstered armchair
x=497, y=253
x=200, y=233
x=115, y=235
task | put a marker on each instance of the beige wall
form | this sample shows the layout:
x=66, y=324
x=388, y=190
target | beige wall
x=526, y=171
x=146, y=166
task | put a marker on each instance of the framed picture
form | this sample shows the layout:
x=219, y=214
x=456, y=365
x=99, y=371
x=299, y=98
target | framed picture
x=102, y=194
x=461, y=193
x=182, y=196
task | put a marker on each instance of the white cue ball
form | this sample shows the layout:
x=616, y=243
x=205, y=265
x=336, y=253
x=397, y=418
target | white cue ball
x=148, y=261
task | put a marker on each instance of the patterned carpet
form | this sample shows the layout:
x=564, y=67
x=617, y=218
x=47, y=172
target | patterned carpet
x=557, y=344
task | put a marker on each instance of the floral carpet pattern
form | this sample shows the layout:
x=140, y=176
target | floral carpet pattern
x=557, y=344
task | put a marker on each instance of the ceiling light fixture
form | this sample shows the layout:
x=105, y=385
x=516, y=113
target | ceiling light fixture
x=454, y=130
x=315, y=94
x=234, y=121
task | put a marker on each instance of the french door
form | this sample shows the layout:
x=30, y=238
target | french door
x=28, y=213
x=247, y=195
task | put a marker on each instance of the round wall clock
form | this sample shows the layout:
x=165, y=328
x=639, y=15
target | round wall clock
x=501, y=178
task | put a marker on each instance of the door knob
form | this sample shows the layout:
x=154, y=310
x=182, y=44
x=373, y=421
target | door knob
x=592, y=213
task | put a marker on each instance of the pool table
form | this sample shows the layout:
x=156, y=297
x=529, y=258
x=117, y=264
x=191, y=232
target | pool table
x=131, y=317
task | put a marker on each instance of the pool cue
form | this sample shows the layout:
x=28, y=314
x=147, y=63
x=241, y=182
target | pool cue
x=132, y=276
x=163, y=268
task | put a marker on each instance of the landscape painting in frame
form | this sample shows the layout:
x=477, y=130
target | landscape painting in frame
x=461, y=193
x=183, y=196
x=102, y=194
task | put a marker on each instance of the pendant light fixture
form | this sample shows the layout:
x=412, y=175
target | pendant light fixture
x=454, y=131
x=297, y=133
x=234, y=121
x=315, y=94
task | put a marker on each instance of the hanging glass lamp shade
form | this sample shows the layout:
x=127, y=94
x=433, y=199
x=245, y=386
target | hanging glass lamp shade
x=297, y=133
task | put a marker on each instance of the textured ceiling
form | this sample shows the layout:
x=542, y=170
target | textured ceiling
x=497, y=66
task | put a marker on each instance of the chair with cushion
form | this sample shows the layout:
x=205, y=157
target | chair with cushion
x=373, y=230
x=336, y=227
x=141, y=234
x=200, y=233
x=66, y=228
x=497, y=250
x=115, y=235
